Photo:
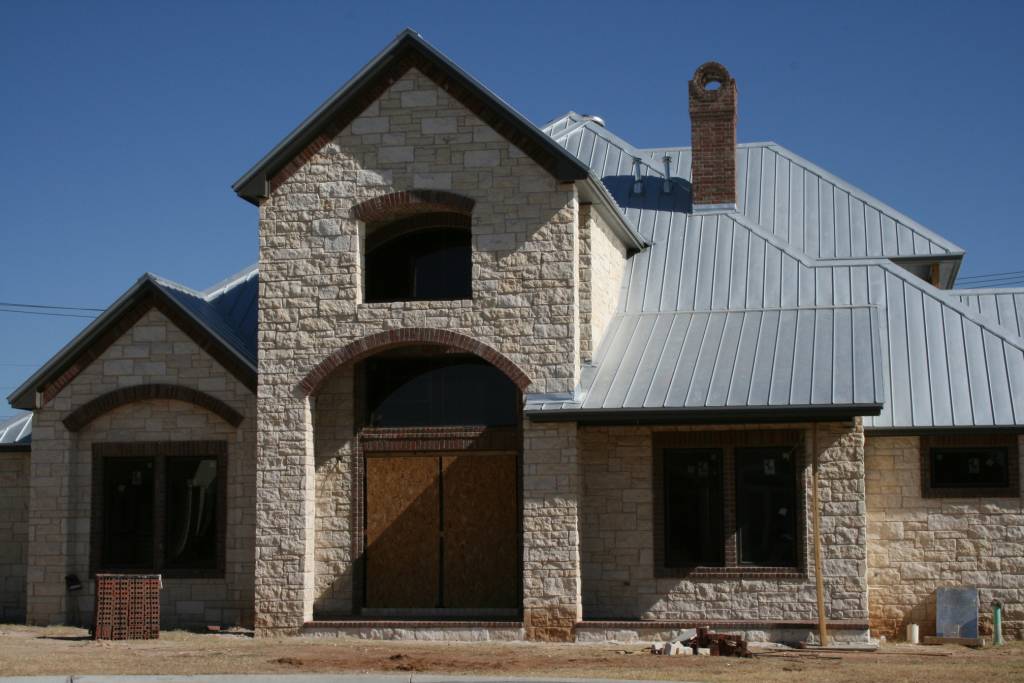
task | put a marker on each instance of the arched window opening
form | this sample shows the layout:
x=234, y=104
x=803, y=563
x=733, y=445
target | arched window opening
x=417, y=388
x=424, y=257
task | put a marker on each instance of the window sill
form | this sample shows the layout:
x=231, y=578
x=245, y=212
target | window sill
x=970, y=493
x=168, y=573
x=426, y=303
x=705, y=572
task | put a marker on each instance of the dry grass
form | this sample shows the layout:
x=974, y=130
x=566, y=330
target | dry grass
x=66, y=651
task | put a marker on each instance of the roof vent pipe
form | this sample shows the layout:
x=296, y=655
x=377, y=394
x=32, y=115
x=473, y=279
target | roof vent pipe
x=595, y=118
x=638, y=178
x=666, y=187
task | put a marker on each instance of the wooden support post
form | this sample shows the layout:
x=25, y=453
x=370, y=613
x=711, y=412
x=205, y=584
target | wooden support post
x=816, y=524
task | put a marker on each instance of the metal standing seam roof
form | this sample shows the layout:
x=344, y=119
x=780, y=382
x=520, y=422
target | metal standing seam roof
x=1002, y=307
x=229, y=309
x=803, y=205
x=941, y=363
x=16, y=431
x=794, y=358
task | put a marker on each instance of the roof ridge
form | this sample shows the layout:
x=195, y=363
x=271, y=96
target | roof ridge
x=217, y=289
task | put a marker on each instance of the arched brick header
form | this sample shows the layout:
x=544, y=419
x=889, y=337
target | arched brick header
x=375, y=343
x=410, y=202
x=101, y=405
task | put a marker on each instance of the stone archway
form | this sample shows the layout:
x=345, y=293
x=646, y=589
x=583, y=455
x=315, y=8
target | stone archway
x=375, y=343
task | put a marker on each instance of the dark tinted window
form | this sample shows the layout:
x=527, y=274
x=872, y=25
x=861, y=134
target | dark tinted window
x=128, y=506
x=437, y=390
x=969, y=468
x=766, y=506
x=693, y=507
x=432, y=263
x=191, y=513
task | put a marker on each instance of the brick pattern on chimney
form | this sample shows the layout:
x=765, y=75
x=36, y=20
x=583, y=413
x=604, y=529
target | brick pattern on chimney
x=713, y=135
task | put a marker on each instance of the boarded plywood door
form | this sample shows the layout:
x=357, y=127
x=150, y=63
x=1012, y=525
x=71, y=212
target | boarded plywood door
x=480, y=532
x=402, y=521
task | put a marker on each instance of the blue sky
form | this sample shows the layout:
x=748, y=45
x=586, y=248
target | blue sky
x=123, y=125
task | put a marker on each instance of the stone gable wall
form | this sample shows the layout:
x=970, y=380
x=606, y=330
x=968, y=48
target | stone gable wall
x=154, y=350
x=617, y=543
x=916, y=545
x=602, y=270
x=14, y=472
x=525, y=305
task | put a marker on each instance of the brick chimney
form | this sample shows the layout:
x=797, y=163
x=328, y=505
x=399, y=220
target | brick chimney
x=713, y=137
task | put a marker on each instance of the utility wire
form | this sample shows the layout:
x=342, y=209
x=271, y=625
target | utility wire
x=990, y=275
x=57, y=308
x=59, y=315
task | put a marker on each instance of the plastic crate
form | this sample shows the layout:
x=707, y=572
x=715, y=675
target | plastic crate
x=127, y=607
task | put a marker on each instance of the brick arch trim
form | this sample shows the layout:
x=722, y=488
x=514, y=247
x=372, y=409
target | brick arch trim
x=380, y=341
x=86, y=413
x=411, y=202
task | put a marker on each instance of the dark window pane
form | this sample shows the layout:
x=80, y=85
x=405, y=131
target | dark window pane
x=191, y=529
x=693, y=508
x=970, y=468
x=426, y=264
x=127, y=513
x=766, y=506
x=442, y=390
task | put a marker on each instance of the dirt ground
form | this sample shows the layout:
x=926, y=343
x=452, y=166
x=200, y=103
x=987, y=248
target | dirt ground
x=65, y=651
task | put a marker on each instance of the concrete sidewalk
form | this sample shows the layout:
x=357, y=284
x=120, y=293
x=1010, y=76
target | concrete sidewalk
x=303, y=678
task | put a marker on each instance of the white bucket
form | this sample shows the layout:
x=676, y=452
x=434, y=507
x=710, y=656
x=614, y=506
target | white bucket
x=913, y=634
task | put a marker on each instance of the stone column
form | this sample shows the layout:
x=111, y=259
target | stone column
x=48, y=517
x=285, y=512
x=552, y=603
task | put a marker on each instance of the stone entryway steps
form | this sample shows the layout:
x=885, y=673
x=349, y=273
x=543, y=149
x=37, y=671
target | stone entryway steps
x=438, y=629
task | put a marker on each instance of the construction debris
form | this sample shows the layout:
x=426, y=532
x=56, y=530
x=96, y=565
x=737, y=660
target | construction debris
x=705, y=642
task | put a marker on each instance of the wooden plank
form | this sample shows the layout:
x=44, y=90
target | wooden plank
x=402, y=527
x=480, y=531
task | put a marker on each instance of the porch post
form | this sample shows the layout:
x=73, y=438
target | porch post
x=552, y=603
x=285, y=513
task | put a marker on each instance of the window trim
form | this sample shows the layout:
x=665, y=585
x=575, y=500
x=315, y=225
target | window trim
x=159, y=451
x=728, y=441
x=1009, y=441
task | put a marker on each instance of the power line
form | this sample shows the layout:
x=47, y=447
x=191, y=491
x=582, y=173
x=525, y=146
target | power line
x=59, y=315
x=57, y=308
x=990, y=275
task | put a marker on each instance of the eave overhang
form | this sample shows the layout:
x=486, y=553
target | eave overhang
x=670, y=416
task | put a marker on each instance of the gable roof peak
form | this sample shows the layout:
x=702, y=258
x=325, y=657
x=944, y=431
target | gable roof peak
x=409, y=50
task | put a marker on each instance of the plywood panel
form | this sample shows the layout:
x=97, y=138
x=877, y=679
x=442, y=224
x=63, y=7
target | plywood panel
x=480, y=536
x=402, y=528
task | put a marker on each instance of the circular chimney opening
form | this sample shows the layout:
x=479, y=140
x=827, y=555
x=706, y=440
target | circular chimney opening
x=711, y=77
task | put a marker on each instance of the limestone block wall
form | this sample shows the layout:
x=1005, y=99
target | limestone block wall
x=602, y=270
x=336, y=452
x=551, y=534
x=14, y=472
x=154, y=350
x=617, y=542
x=525, y=295
x=916, y=545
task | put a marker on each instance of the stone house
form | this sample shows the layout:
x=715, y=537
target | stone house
x=496, y=381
